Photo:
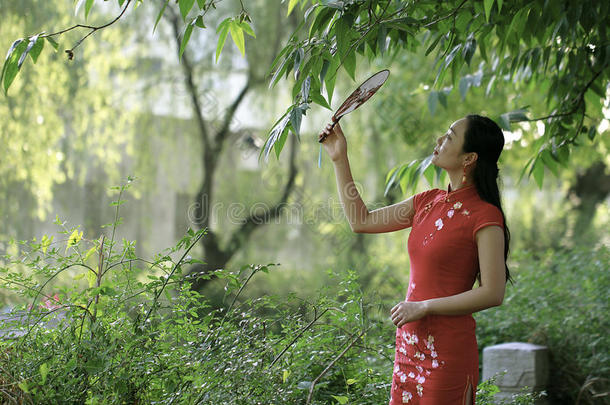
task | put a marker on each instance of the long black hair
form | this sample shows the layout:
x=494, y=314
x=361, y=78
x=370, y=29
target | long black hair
x=484, y=137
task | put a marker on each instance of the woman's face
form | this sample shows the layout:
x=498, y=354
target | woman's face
x=448, y=153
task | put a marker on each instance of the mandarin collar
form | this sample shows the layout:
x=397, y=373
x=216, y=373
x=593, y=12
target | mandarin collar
x=460, y=192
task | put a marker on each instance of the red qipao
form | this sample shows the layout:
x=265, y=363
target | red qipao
x=436, y=357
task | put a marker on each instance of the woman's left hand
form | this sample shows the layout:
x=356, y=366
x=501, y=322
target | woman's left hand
x=408, y=311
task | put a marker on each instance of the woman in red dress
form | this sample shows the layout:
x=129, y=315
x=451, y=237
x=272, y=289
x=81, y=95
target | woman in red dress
x=458, y=235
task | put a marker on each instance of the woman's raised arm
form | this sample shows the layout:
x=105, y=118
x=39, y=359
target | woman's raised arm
x=387, y=219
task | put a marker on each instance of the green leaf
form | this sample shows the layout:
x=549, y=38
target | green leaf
x=74, y=238
x=279, y=145
x=429, y=173
x=90, y=252
x=305, y=88
x=44, y=371
x=291, y=5
x=31, y=44
x=321, y=21
x=201, y=4
x=296, y=116
x=517, y=115
x=319, y=99
x=469, y=49
x=88, y=6
x=24, y=386
x=199, y=22
x=518, y=23
x=299, y=55
x=10, y=68
x=330, y=79
x=351, y=381
x=389, y=180
x=324, y=70
x=408, y=176
x=549, y=162
x=53, y=42
x=488, y=5
x=185, y=7
x=160, y=15
x=237, y=34
x=504, y=121
x=288, y=48
x=349, y=63
x=341, y=399
x=538, y=172
x=45, y=243
x=463, y=86
x=37, y=49
x=91, y=278
x=278, y=129
x=433, y=45
x=185, y=38
x=280, y=71
x=342, y=37
x=224, y=30
x=247, y=28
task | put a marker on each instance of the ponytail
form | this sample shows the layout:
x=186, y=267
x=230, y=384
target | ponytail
x=484, y=137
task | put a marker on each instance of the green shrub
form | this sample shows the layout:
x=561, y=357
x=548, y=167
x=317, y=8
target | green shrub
x=99, y=325
x=560, y=299
x=128, y=330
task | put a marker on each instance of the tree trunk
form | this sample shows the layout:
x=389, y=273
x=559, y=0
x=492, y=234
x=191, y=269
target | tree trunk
x=590, y=189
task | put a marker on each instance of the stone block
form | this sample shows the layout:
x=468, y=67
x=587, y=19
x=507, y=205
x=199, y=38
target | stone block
x=516, y=365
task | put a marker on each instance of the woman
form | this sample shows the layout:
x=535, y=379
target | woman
x=458, y=236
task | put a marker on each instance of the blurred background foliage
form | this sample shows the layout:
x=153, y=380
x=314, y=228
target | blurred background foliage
x=69, y=130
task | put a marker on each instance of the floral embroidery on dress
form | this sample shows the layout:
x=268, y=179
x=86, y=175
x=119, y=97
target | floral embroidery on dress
x=410, y=339
x=420, y=354
x=439, y=224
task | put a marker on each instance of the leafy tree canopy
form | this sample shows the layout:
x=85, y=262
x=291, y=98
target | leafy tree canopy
x=560, y=46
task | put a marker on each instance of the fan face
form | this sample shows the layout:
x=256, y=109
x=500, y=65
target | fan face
x=362, y=93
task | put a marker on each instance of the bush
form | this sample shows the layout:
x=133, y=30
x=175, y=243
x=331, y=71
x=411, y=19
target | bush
x=560, y=300
x=128, y=330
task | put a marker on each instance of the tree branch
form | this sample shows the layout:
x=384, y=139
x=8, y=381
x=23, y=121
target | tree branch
x=447, y=16
x=298, y=336
x=224, y=129
x=93, y=29
x=332, y=363
x=250, y=223
x=190, y=82
x=578, y=100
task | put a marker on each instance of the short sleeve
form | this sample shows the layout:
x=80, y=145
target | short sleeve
x=420, y=200
x=489, y=215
